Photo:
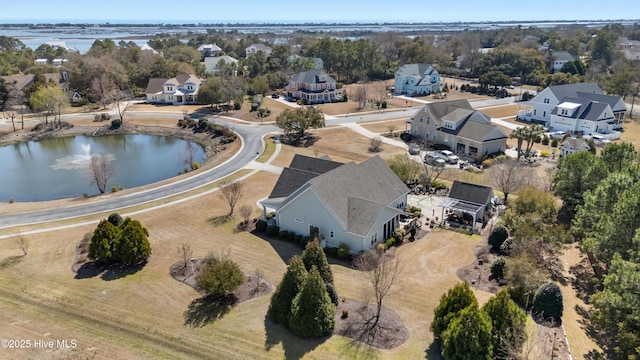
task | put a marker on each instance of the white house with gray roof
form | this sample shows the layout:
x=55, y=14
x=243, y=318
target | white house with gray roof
x=572, y=145
x=356, y=204
x=180, y=90
x=417, y=79
x=559, y=59
x=582, y=115
x=254, y=48
x=313, y=87
x=456, y=124
x=540, y=108
x=212, y=64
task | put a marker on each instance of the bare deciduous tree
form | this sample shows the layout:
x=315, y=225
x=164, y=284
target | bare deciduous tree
x=259, y=275
x=231, y=192
x=509, y=176
x=100, y=171
x=22, y=243
x=382, y=274
x=245, y=212
x=187, y=156
x=430, y=175
x=121, y=100
x=360, y=95
x=101, y=87
x=375, y=144
x=186, y=254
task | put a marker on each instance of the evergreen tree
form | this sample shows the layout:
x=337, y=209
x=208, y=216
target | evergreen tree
x=455, y=300
x=547, y=302
x=312, y=313
x=314, y=255
x=468, y=336
x=508, y=323
x=103, y=242
x=288, y=288
x=220, y=275
x=133, y=246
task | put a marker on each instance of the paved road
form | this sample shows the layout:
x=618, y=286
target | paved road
x=252, y=146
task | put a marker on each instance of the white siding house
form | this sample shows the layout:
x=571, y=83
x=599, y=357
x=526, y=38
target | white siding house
x=180, y=90
x=417, y=79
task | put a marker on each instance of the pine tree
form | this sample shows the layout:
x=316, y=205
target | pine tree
x=103, y=242
x=468, y=336
x=451, y=303
x=508, y=324
x=291, y=283
x=312, y=313
x=133, y=246
x=314, y=255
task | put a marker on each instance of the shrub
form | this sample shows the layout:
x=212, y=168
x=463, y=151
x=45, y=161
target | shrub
x=313, y=256
x=384, y=104
x=115, y=219
x=261, y=225
x=273, y=230
x=331, y=251
x=497, y=268
x=547, y=302
x=343, y=251
x=219, y=275
x=114, y=189
x=125, y=243
x=498, y=235
x=545, y=140
x=505, y=248
x=291, y=236
x=417, y=213
x=390, y=242
x=283, y=234
x=381, y=247
x=280, y=306
x=554, y=143
x=237, y=105
x=115, y=124
x=298, y=239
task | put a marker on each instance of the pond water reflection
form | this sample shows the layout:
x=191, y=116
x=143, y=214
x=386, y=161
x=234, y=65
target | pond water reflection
x=58, y=167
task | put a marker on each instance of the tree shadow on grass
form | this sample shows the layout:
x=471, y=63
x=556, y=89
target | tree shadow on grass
x=293, y=346
x=107, y=272
x=10, y=261
x=207, y=309
x=433, y=351
x=219, y=220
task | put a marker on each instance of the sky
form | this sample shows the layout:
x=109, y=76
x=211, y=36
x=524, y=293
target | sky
x=329, y=11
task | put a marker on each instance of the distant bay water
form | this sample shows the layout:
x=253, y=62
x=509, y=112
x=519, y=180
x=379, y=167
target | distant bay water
x=81, y=37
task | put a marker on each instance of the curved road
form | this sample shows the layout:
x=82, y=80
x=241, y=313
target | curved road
x=252, y=145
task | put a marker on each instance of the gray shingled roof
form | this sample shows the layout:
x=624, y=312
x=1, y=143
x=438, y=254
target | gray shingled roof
x=571, y=90
x=612, y=100
x=479, y=127
x=302, y=169
x=310, y=76
x=589, y=110
x=155, y=85
x=563, y=56
x=468, y=192
x=440, y=109
x=574, y=143
x=362, y=214
x=418, y=70
x=371, y=181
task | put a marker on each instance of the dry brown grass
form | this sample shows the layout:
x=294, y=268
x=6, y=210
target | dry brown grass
x=502, y=111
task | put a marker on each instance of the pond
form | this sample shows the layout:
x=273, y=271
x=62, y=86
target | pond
x=59, y=167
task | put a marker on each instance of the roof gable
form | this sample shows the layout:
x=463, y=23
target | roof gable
x=571, y=90
x=312, y=164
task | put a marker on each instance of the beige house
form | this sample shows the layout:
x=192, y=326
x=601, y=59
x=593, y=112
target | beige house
x=572, y=145
x=356, y=204
x=464, y=130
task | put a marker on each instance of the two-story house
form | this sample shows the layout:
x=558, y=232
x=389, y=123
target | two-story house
x=456, y=124
x=180, y=90
x=356, y=204
x=559, y=58
x=254, y=48
x=538, y=110
x=417, y=80
x=212, y=64
x=209, y=50
x=313, y=87
x=582, y=115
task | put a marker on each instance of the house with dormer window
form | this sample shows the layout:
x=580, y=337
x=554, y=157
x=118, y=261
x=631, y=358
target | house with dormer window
x=314, y=87
x=457, y=125
x=582, y=115
x=417, y=80
x=180, y=90
x=539, y=109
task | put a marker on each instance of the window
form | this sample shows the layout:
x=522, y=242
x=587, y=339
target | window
x=534, y=111
x=544, y=114
x=546, y=100
x=331, y=234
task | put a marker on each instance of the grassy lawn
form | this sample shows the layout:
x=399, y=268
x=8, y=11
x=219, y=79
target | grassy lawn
x=500, y=111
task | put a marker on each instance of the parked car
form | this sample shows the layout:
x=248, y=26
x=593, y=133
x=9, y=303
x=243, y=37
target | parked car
x=434, y=159
x=275, y=96
x=448, y=156
x=414, y=149
x=601, y=139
